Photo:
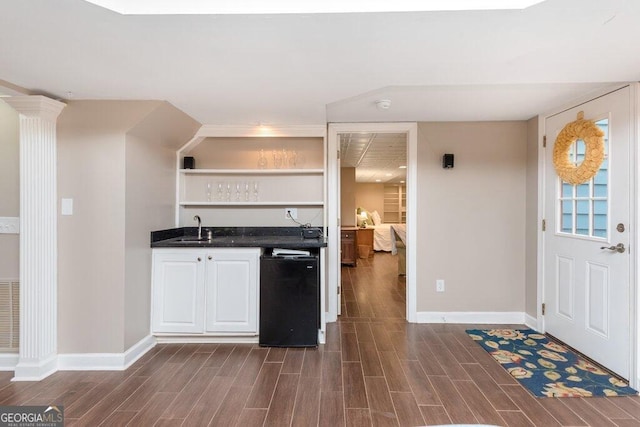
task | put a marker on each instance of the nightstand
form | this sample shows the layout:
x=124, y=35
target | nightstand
x=348, y=245
x=365, y=237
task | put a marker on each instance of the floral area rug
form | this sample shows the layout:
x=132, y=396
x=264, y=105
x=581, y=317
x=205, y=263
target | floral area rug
x=546, y=368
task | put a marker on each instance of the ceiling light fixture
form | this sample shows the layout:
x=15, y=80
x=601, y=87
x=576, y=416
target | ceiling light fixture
x=250, y=7
x=402, y=167
x=383, y=104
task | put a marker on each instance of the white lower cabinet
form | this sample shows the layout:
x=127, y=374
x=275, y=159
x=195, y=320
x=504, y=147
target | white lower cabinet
x=177, y=302
x=232, y=290
x=211, y=291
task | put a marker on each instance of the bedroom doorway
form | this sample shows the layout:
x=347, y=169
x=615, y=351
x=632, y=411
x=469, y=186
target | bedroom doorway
x=371, y=183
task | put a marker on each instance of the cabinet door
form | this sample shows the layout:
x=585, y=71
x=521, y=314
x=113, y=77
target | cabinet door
x=232, y=290
x=348, y=247
x=178, y=292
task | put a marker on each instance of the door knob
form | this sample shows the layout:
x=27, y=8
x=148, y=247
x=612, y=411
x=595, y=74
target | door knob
x=617, y=248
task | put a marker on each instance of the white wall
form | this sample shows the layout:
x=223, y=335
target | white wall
x=9, y=189
x=471, y=219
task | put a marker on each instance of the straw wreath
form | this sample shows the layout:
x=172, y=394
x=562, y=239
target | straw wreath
x=592, y=136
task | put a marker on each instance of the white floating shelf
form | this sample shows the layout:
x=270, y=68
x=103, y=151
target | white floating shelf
x=251, y=171
x=250, y=204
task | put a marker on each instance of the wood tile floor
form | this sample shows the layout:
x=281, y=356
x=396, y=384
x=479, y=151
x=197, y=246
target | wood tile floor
x=375, y=369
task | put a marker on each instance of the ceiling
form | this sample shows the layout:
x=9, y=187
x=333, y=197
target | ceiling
x=377, y=157
x=205, y=7
x=315, y=68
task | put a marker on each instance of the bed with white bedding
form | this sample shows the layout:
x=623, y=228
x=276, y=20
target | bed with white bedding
x=383, y=239
x=392, y=238
x=399, y=237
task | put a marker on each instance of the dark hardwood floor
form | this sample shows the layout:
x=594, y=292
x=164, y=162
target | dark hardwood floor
x=375, y=369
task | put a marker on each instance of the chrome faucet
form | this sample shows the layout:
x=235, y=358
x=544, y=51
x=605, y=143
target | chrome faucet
x=197, y=218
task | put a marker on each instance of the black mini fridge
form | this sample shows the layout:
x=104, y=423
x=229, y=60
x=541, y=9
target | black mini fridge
x=289, y=301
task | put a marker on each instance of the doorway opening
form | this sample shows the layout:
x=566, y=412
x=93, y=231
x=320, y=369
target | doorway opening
x=371, y=194
x=373, y=204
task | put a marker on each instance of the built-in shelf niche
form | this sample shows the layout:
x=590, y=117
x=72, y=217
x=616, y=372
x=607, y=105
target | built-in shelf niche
x=232, y=162
x=244, y=153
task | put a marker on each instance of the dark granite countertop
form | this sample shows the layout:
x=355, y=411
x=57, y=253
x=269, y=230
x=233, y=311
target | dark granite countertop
x=241, y=237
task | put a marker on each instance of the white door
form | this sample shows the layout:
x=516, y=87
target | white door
x=587, y=285
x=232, y=290
x=178, y=291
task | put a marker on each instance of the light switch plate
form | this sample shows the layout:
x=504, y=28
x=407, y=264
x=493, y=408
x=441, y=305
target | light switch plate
x=10, y=225
x=66, y=207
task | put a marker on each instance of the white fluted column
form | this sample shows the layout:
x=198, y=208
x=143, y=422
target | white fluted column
x=38, y=236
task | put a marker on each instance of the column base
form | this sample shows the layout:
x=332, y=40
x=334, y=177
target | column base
x=29, y=370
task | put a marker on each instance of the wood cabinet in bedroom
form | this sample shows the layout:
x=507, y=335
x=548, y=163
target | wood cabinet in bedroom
x=365, y=238
x=348, y=245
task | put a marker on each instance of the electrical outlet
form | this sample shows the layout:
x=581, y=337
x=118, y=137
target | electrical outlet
x=291, y=213
x=439, y=285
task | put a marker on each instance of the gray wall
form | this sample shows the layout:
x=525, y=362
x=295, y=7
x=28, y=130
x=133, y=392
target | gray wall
x=370, y=196
x=9, y=189
x=103, y=259
x=150, y=169
x=348, y=197
x=471, y=219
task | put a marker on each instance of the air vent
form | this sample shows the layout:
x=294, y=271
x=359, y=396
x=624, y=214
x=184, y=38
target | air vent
x=9, y=315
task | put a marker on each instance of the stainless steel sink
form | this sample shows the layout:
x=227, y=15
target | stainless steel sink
x=191, y=240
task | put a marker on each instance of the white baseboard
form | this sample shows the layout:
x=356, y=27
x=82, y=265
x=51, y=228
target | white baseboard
x=220, y=339
x=531, y=322
x=105, y=361
x=322, y=337
x=8, y=361
x=471, y=317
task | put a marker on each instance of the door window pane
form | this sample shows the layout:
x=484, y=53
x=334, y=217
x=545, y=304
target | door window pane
x=600, y=218
x=582, y=190
x=584, y=207
x=582, y=217
x=567, y=216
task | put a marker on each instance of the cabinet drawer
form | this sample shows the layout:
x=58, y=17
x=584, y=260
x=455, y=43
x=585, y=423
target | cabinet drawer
x=348, y=235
